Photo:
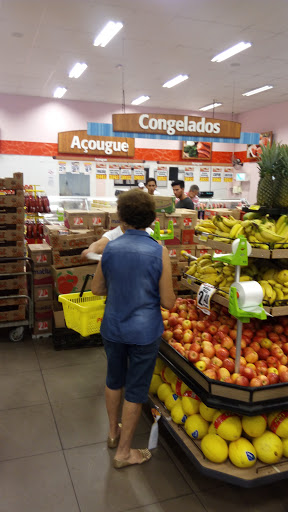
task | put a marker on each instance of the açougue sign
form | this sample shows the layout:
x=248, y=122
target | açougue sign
x=78, y=142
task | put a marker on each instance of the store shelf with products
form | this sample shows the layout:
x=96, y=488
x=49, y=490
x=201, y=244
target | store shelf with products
x=36, y=205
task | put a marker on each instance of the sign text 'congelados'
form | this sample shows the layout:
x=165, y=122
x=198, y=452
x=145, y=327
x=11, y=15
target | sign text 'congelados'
x=80, y=142
x=170, y=124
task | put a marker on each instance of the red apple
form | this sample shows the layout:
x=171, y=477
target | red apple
x=284, y=376
x=216, y=361
x=229, y=364
x=180, y=349
x=233, y=334
x=222, y=353
x=210, y=373
x=263, y=353
x=224, y=328
x=278, y=328
x=235, y=376
x=167, y=335
x=256, y=346
x=165, y=314
x=187, y=337
x=273, y=378
x=271, y=361
x=249, y=373
x=178, y=334
x=223, y=373
x=243, y=361
x=193, y=356
x=186, y=325
x=227, y=342
x=264, y=380
x=251, y=365
x=285, y=348
x=200, y=326
x=183, y=306
x=187, y=347
x=183, y=314
x=212, y=329
x=255, y=382
x=196, y=347
x=266, y=343
x=273, y=336
x=282, y=368
x=242, y=381
x=166, y=324
x=248, y=332
x=251, y=357
x=208, y=349
x=206, y=360
x=173, y=320
x=233, y=352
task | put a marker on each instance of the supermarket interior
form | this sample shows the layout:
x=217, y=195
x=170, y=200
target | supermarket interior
x=116, y=118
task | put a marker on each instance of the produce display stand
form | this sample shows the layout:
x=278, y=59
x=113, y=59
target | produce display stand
x=260, y=474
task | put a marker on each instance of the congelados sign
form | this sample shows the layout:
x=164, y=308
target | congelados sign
x=78, y=142
x=170, y=124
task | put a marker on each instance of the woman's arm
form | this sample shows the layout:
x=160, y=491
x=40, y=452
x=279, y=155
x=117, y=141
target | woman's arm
x=97, y=247
x=167, y=296
x=98, y=286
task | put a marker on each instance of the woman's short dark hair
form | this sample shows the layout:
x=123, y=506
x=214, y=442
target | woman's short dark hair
x=136, y=208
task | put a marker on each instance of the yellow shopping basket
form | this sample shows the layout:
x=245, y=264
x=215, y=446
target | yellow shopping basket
x=83, y=314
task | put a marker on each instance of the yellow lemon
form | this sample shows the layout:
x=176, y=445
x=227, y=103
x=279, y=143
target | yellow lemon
x=171, y=400
x=177, y=413
x=168, y=376
x=207, y=412
x=278, y=423
x=242, y=453
x=228, y=425
x=159, y=366
x=196, y=427
x=285, y=447
x=214, y=448
x=269, y=447
x=163, y=391
x=156, y=381
x=254, y=426
x=179, y=387
x=190, y=405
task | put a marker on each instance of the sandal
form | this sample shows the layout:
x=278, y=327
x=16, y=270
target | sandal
x=112, y=442
x=146, y=455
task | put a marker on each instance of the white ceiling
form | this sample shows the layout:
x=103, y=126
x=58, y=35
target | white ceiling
x=41, y=40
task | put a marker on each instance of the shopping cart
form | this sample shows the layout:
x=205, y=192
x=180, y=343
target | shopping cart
x=83, y=311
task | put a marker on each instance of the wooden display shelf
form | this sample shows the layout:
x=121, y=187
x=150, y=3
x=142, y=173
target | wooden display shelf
x=222, y=395
x=259, y=474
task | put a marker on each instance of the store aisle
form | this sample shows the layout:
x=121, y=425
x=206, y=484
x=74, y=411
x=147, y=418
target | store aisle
x=53, y=454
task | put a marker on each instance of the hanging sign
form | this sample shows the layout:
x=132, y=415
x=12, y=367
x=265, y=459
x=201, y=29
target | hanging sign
x=216, y=174
x=170, y=124
x=139, y=174
x=189, y=174
x=81, y=143
x=204, y=295
x=196, y=150
x=126, y=172
x=114, y=172
x=204, y=173
x=87, y=168
x=162, y=173
x=75, y=167
x=62, y=167
x=101, y=172
x=228, y=174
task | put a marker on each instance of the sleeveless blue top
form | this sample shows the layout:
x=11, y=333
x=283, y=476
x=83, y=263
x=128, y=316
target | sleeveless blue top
x=132, y=267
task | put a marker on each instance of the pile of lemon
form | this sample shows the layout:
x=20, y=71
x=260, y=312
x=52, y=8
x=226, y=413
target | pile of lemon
x=223, y=434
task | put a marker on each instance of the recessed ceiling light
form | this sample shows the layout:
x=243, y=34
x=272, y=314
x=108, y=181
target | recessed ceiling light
x=231, y=51
x=260, y=89
x=109, y=31
x=175, y=81
x=210, y=107
x=140, y=100
x=59, y=92
x=77, y=70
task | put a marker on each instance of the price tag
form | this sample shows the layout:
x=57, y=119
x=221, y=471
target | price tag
x=204, y=238
x=204, y=295
x=154, y=433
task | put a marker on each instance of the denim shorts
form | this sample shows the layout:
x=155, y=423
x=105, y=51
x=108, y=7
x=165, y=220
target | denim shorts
x=131, y=366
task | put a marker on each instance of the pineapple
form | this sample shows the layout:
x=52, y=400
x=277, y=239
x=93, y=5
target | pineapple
x=269, y=163
x=281, y=179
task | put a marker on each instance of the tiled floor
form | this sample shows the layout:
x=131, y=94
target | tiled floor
x=53, y=454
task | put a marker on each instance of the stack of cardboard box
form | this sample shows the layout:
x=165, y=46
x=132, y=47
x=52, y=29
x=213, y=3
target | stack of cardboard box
x=12, y=246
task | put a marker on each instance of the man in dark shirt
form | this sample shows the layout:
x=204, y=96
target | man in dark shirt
x=184, y=201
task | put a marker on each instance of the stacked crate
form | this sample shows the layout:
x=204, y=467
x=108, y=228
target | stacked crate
x=12, y=246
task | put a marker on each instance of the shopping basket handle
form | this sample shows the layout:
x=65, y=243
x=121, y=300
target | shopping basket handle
x=85, y=283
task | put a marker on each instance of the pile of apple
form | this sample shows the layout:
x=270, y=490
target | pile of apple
x=209, y=342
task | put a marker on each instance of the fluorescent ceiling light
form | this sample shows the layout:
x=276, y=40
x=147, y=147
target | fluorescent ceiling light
x=140, y=100
x=59, y=92
x=77, y=70
x=109, y=31
x=209, y=107
x=175, y=81
x=260, y=89
x=231, y=51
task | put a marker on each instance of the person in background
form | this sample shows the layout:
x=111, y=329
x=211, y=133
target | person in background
x=193, y=194
x=151, y=186
x=184, y=201
x=132, y=324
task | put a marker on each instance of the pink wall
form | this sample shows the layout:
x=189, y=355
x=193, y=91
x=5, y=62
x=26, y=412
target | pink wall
x=273, y=118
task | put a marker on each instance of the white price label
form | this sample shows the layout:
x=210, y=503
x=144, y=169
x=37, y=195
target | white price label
x=204, y=296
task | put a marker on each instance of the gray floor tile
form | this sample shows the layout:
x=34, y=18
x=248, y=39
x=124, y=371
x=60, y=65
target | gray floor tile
x=22, y=389
x=84, y=421
x=51, y=358
x=37, y=484
x=17, y=357
x=100, y=487
x=27, y=431
x=68, y=382
x=188, y=503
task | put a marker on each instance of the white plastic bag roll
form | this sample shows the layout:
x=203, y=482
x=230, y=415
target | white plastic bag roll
x=249, y=294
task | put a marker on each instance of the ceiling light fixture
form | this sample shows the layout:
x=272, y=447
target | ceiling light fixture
x=231, y=51
x=260, y=89
x=77, y=70
x=210, y=107
x=109, y=31
x=140, y=100
x=175, y=81
x=59, y=92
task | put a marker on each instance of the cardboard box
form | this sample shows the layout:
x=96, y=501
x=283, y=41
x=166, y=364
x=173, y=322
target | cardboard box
x=42, y=327
x=69, y=260
x=202, y=249
x=113, y=220
x=236, y=213
x=98, y=218
x=41, y=254
x=175, y=217
x=188, y=248
x=188, y=218
x=175, y=283
x=51, y=228
x=178, y=267
x=164, y=204
x=14, y=249
x=174, y=251
x=15, y=183
x=160, y=217
x=12, y=268
x=16, y=283
x=177, y=238
x=14, y=216
x=43, y=310
x=12, y=312
x=187, y=236
x=59, y=319
x=14, y=200
x=43, y=292
x=76, y=219
x=70, y=280
x=12, y=235
x=42, y=275
x=70, y=241
x=211, y=212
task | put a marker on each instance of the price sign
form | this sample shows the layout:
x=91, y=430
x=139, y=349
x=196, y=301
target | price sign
x=139, y=173
x=62, y=167
x=126, y=173
x=114, y=172
x=228, y=175
x=204, y=295
x=87, y=169
x=216, y=174
x=189, y=174
x=101, y=173
x=162, y=173
x=204, y=174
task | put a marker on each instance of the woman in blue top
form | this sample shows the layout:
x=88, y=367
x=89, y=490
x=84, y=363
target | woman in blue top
x=135, y=273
